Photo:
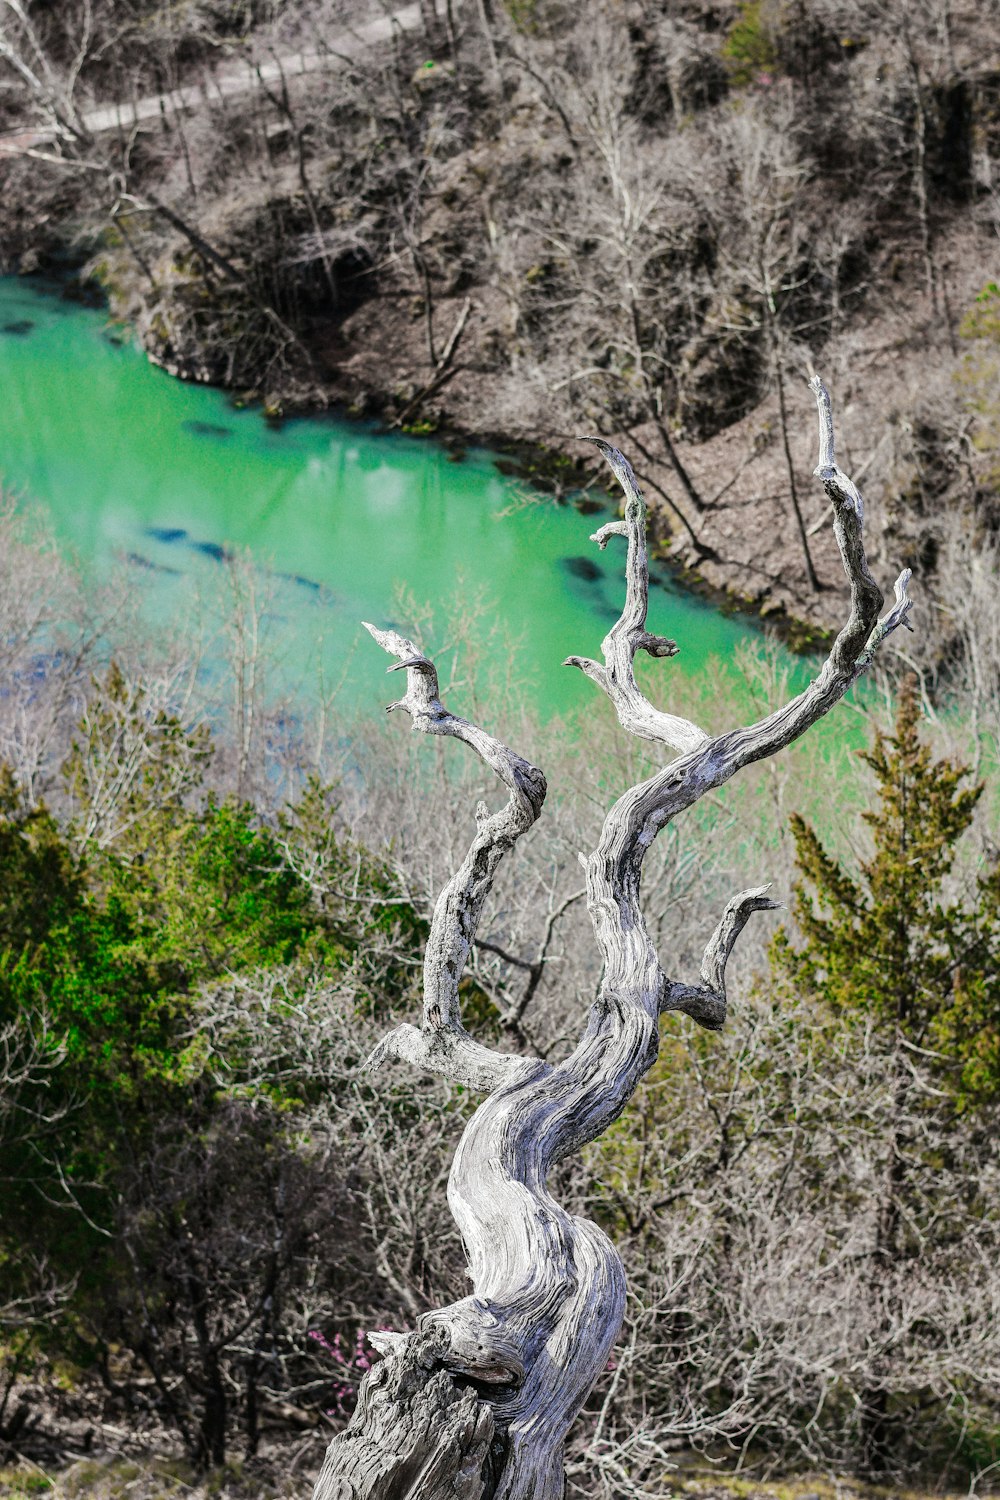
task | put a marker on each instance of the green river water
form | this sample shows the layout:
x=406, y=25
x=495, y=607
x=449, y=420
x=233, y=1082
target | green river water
x=169, y=478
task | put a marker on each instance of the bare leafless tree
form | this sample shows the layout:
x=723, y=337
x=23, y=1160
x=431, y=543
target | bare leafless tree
x=479, y=1399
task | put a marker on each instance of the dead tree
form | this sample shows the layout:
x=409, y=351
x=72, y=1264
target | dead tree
x=475, y=1404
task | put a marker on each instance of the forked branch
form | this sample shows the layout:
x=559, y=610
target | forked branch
x=638, y=816
x=442, y=1043
x=629, y=635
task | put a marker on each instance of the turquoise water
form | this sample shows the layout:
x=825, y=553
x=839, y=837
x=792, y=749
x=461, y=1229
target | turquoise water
x=169, y=479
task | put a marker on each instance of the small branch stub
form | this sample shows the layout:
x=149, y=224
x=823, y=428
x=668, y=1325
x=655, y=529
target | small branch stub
x=707, y=1003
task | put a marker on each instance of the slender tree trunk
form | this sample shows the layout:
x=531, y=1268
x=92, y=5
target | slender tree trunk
x=878, y=1429
x=779, y=379
x=654, y=396
x=213, y=1420
x=212, y=1427
x=283, y=104
x=920, y=190
x=936, y=293
x=486, y=26
x=432, y=24
x=673, y=457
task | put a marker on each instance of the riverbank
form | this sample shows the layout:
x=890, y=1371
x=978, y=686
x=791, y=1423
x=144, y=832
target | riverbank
x=737, y=554
x=164, y=481
x=734, y=539
x=501, y=231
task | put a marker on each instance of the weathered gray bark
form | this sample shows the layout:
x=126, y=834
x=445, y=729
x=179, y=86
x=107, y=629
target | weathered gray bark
x=511, y=1365
x=415, y=1432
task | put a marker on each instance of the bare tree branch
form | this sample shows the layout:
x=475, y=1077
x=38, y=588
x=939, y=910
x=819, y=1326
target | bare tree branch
x=442, y=1043
x=706, y=1003
x=629, y=634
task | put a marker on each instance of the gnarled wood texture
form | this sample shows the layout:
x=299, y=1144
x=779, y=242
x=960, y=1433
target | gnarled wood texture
x=497, y=1378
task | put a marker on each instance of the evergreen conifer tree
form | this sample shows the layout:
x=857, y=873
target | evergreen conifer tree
x=909, y=964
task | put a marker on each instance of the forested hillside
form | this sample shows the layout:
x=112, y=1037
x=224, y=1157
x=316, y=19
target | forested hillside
x=505, y=223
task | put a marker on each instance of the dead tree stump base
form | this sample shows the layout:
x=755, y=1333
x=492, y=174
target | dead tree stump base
x=416, y=1432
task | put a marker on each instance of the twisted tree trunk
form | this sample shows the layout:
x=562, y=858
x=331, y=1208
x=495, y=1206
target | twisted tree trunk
x=476, y=1404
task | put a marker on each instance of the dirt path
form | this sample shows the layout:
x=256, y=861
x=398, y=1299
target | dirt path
x=225, y=83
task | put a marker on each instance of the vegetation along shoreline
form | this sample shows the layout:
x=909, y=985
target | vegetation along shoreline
x=504, y=230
